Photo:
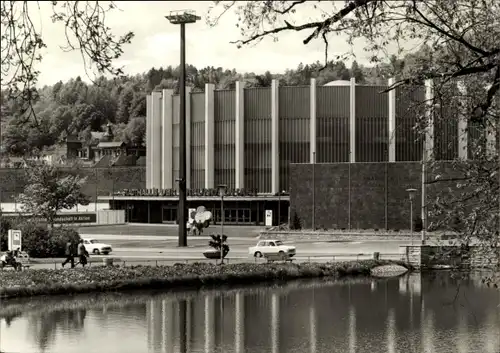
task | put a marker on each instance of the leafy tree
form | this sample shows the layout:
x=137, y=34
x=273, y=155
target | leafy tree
x=135, y=131
x=22, y=43
x=47, y=192
x=454, y=43
x=124, y=105
x=138, y=105
x=357, y=72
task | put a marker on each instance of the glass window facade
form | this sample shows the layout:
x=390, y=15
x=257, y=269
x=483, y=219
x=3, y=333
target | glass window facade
x=372, y=124
x=332, y=124
x=175, y=140
x=409, y=108
x=294, y=129
x=258, y=138
x=332, y=131
x=224, y=137
x=197, y=140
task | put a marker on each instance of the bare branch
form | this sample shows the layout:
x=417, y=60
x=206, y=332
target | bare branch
x=318, y=26
x=455, y=74
x=215, y=21
x=448, y=34
x=325, y=39
x=289, y=8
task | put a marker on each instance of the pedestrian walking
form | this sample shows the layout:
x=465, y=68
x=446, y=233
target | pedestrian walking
x=70, y=254
x=82, y=254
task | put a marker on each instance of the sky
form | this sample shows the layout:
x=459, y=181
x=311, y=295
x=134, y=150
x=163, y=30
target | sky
x=156, y=42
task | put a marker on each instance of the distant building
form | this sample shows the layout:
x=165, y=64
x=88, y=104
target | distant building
x=248, y=138
x=104, y=152
x=338, y=83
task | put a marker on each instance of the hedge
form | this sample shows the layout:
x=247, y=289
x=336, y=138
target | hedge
x=37, y=240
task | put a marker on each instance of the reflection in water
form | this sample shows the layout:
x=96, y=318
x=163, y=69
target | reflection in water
x=428, y=332
x=493, y=338
x=275, y=322
x=209, y=323
x=405, y=314
x=312, y=327
x=352, y=329
x=391, y=334
x=462, y=341
x=44, y=327
x=182, y=306
x=239, y=336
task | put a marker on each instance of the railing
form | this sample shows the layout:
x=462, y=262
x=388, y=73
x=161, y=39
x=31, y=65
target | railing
x=231, y=260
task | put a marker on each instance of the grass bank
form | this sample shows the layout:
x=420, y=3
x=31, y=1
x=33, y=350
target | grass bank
x=196, y=275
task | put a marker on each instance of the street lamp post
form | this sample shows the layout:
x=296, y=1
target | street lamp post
x=181, y=17
x=222, y=192
x=279, y=209
x=314, y=192
x=411, y=194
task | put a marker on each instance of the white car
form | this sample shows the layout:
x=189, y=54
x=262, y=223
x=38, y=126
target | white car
x=95, y=247
x=264, y=247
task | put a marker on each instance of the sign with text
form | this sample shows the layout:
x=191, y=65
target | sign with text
x=269, y=218
x=60, y=218
x=14, y=239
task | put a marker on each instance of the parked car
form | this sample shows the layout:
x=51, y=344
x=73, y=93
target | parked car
x=95, y=247
x=264, y=247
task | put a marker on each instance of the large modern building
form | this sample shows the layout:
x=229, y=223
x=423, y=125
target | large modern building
x=247, y=138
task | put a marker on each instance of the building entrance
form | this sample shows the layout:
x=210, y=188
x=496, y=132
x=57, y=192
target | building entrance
x=169, y=214
x=234, y=216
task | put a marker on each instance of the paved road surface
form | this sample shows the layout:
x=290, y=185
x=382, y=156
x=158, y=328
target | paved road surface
x=133, y=249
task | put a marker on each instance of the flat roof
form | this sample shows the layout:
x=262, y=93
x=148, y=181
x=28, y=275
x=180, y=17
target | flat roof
x=194, y=198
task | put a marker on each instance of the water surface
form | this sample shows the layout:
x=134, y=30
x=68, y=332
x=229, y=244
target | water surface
x=407, y=314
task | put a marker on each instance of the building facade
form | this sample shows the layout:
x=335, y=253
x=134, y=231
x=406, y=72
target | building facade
x=247, y=138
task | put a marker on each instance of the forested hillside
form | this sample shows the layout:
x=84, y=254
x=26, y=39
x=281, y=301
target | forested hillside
x=76, y=108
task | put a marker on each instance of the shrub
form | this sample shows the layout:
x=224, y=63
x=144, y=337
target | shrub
x=58, y=237
x=38, y=241
x=5, y=225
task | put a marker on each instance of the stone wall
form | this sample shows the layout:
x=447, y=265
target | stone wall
x=429, y=257
x=357, y=195
x=100, y=181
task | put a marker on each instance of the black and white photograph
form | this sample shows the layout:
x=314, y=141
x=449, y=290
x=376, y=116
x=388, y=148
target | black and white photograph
x=250, y=176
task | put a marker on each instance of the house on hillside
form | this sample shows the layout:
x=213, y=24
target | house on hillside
x=104, y=152
x=101, y=151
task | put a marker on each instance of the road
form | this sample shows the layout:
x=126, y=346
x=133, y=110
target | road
x=135, y=244
x=157, y=249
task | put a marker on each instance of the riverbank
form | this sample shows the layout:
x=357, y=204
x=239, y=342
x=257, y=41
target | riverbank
x=102, y=279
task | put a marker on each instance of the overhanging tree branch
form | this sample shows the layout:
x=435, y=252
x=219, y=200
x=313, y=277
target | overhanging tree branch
x=455, y=74
x=289, y=8
x=318, y=26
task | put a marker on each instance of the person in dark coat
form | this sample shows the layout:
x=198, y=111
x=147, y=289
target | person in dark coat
x=70, y=254
x=82, y=254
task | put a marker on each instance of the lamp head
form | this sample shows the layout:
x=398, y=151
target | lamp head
x=411, y=193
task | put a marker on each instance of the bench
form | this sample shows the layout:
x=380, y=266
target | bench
x=278, y=257
x=23, y=261
x=22, y=265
